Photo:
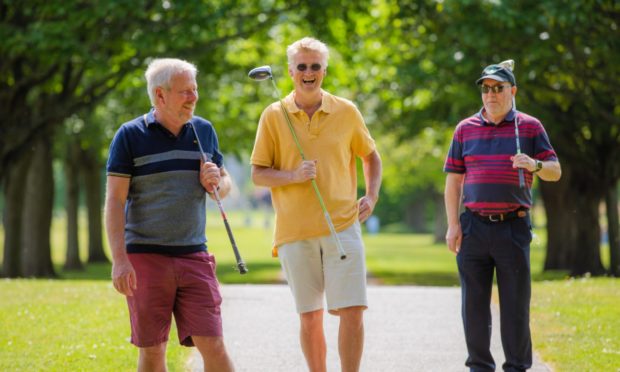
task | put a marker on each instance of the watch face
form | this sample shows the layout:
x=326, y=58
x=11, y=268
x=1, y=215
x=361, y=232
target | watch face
x=539, y=165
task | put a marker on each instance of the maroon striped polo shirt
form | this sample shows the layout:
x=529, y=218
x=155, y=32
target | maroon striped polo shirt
x=482, y=151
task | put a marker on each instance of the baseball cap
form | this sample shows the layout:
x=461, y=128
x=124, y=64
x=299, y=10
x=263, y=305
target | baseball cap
x=497, y=72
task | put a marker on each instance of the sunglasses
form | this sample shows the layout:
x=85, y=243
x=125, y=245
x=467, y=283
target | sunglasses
x=313, y=67
x=495, y=88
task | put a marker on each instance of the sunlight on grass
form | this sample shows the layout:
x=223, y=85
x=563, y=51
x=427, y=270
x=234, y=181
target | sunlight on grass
x=576, y=323
x=51, y=325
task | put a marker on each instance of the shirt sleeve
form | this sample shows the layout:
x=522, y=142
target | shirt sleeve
x=216, y=157
x=542, y=146
x=120, y=159
x=362, y=142
x=455, y=162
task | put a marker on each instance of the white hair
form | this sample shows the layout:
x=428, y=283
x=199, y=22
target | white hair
x=307, y=44
x=160, y=71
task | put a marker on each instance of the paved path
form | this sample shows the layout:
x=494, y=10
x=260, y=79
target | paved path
x=407, y=329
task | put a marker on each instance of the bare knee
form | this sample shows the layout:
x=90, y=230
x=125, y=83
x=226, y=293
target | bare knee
x=210, y=347
x=214, y=354
x=311, y=319
x=152, y=358
x=353, y=315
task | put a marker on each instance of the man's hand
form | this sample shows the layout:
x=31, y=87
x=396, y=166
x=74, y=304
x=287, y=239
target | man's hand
x=209, y=176
x=365, y=206
x=124, y=277
x=523, y=161
x=454, y=236
x=306, y=171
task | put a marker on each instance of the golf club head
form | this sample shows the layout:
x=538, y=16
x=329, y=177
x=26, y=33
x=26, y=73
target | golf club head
x=260, y=73
x=509, y=64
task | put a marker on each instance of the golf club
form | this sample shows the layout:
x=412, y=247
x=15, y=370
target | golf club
x=264, y=73
x=240, y=264
x=510, y=64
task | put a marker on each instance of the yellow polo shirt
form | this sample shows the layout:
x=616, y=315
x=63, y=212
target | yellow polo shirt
x=334, y=137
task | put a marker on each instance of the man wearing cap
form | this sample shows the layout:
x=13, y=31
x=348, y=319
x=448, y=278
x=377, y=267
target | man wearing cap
x=494, y=231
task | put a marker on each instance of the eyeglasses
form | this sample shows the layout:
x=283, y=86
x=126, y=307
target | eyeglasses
x=313, y=67
x=495, y=88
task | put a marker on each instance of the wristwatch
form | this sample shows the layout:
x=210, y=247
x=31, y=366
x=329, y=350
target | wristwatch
x=539, y=166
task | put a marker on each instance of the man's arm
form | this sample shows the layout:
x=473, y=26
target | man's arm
x=551, y=170
x=271, y=177
x=371, y=165
x=123, y=275
x=452, y=197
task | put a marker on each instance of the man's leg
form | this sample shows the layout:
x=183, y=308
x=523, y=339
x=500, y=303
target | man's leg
x=514, y=287
x=476, y=268
x=351, y=338
x=213, y=353
x=313, y=340
x=152, y=359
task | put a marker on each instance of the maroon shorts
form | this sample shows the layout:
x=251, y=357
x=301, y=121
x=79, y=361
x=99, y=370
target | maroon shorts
x=185, y=286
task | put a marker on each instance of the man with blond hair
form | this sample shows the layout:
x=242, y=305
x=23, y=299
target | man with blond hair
x=332, y=133
x=155, y=220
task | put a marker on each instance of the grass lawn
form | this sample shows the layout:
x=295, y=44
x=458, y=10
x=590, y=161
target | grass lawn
x=81, y=323
x=576, y=323
x=69, y=325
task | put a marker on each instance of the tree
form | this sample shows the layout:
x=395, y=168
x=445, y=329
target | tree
x=563, y=52
x=60, y=58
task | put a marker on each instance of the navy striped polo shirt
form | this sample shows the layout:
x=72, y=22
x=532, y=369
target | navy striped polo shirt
x=482, y=151
x=165, y=210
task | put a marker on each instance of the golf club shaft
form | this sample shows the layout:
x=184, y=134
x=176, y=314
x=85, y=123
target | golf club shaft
x=521, y=175
x=240, y=264
x=328, y=219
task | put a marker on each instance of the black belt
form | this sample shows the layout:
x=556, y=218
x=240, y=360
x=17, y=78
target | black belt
x=501, y=217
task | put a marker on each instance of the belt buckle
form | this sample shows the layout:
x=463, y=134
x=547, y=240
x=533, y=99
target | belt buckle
x=496, y=217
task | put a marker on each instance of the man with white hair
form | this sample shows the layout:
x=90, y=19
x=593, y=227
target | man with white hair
x=155, y=220
x=332, y=133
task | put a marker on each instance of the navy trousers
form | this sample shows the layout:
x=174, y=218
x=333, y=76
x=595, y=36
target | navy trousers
x=503, y=248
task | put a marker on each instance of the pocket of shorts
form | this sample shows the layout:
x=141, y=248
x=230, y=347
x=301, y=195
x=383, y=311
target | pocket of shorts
x=214, y=284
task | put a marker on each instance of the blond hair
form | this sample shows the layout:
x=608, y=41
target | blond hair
x=307, y=44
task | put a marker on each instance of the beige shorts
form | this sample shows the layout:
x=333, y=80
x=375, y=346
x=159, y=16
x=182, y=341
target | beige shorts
x=313, y=268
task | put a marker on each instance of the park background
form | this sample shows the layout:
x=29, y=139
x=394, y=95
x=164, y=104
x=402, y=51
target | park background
x=71, y=72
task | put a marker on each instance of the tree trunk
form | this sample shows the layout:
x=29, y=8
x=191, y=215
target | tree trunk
x=613, y=226
x=561, y=223
x=14, y=192
x=72, y=155
x=587, y=258
x=37, y=213
x=441, y=224
x=415, y=214
x=92, y=182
